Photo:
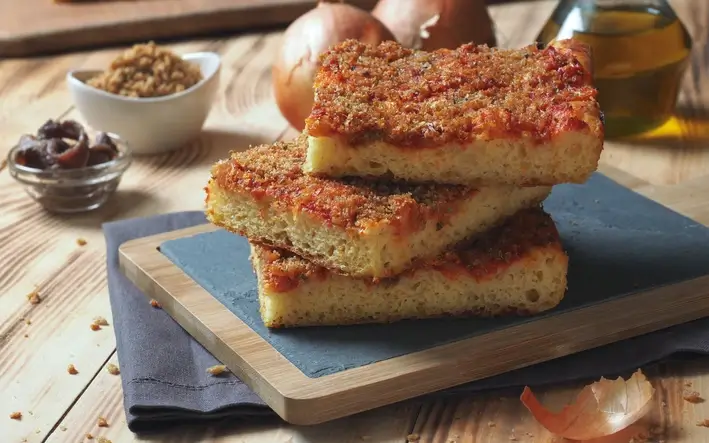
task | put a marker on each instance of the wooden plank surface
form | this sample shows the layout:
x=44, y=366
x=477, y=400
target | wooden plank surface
x=40, y=249
x=32, y=27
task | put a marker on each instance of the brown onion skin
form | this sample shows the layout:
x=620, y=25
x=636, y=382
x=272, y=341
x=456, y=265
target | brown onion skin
x=460, y=22
x=305, y=39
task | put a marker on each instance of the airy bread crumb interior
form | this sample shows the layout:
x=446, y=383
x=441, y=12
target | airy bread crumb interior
x=375, y=252
x=570, y=158
x=295, y=292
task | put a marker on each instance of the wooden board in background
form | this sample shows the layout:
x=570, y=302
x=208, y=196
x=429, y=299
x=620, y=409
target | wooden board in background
x=31, y=27
x=299, y=399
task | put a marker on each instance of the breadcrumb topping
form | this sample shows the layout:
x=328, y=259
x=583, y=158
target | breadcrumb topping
x=273, y=173
x=282, y=271
x=413, y=98
x=485, y=255
x=482, y=256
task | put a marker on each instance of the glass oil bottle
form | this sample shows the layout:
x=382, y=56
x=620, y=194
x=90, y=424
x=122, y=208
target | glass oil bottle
x=640, y=52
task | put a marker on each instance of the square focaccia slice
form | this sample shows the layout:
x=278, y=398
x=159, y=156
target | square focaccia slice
x=354, y=226
x=518, y=268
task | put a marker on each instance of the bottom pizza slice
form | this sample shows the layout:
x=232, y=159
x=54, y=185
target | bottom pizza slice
x=517, y=268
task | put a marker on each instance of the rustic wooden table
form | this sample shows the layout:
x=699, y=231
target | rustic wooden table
x=37, y=342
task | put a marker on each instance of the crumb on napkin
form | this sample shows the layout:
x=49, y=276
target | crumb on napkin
x=217, y=370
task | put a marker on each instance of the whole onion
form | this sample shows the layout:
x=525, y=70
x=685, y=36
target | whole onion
x=305, y=39
x=435, y=24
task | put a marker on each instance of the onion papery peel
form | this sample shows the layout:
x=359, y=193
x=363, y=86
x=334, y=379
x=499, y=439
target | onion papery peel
x=601, y=409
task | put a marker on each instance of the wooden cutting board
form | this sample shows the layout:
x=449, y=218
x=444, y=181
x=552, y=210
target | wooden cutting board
x=634, y=267
x=31, y=27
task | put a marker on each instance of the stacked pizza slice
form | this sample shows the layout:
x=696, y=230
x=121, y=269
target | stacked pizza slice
x=415, y=190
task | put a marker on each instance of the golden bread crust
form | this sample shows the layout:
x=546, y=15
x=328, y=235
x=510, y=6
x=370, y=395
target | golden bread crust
x=414, y=99
x=274, y=172
x=481, y=257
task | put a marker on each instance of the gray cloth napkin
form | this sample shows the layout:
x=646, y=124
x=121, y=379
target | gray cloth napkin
x=163, y=368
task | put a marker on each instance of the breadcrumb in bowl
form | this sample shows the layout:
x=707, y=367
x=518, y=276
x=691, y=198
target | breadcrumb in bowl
x=148, y=70
x=151, y=124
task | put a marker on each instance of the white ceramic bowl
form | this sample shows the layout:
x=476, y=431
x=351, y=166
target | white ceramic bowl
x=150, y=125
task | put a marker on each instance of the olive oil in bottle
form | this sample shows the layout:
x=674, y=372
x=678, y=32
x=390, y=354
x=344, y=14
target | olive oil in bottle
x=640, y=52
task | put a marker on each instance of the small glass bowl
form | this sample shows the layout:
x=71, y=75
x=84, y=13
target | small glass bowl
x=70, y=191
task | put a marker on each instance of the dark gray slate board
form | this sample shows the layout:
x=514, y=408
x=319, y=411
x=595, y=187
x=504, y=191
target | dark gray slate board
x=618, y=243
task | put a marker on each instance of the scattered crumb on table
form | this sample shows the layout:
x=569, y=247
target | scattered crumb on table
x=98, y=320
x=217, y=369
x=692, y=397
x=28, y=321
x=102, y=423
x=155, y=304
x=17, y=415
x=103, y=440
x=704, y=423
x=62, y=428
x=34, y=297
x=112, y=369
x=491, y=424
x=94, y=327
x=89, y=436
x=412, y=437
x=71, y=369
x=688, y=384
x=80, y=241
